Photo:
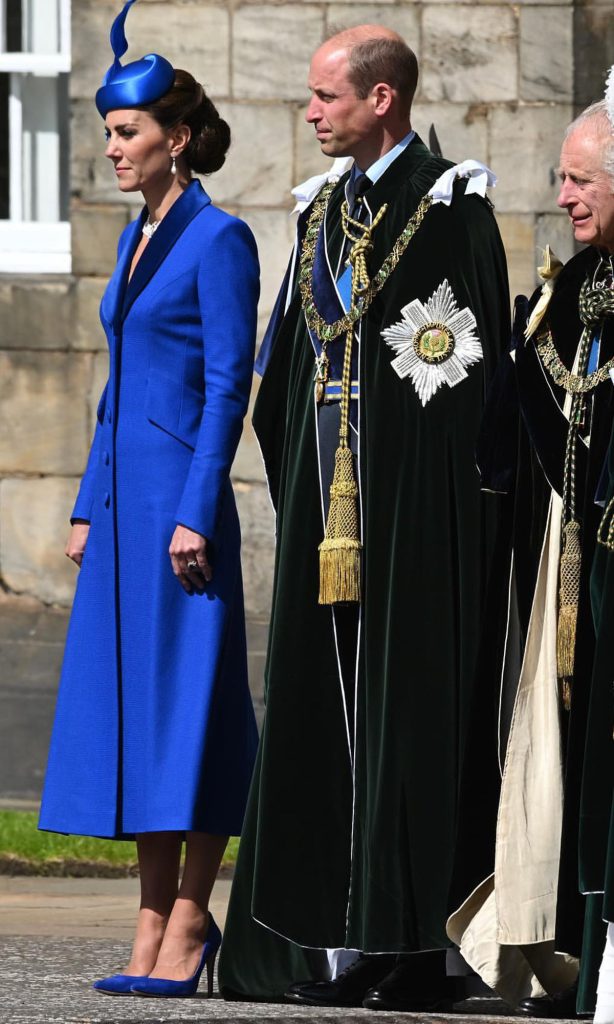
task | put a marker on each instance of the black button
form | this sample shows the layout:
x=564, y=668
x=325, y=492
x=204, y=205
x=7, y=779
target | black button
x=109, y=416
x=106, y=458
x=107, y=500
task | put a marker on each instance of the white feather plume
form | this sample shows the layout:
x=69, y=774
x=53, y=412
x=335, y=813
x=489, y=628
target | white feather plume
x=609, y=95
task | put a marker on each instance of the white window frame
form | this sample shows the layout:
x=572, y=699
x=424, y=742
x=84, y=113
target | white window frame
x=31, y=247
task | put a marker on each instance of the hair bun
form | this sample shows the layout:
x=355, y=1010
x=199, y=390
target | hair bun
x=186, y=102
x=206, y=150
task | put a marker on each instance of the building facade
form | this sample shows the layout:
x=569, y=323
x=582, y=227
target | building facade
x=498, y=80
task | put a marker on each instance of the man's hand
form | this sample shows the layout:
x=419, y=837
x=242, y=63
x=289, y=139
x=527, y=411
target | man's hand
x=77, y=539
x=189, y=560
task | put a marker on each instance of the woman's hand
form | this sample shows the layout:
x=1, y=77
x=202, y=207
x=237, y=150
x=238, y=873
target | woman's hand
x=77, y=539
x=189, y=560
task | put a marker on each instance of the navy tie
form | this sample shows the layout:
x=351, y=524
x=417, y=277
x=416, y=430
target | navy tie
x=362, y=184
x=358, y=210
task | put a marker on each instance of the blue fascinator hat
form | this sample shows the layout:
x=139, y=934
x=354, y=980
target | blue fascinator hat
x=136, y=84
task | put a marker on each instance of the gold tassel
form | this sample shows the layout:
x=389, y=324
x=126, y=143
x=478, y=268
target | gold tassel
x=569, y=593
x=340, y=550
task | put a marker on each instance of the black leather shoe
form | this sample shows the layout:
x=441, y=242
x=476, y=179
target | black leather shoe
x=561, y=1006
x=401, y=990
x=348, y=989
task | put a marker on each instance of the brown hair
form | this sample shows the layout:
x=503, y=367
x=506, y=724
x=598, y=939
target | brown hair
x=187, y=103
x=383, y=60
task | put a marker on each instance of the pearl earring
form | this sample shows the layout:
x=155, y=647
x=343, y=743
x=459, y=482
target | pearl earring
x=174, y=166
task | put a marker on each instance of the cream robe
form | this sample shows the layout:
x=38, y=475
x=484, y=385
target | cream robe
x=505, y=929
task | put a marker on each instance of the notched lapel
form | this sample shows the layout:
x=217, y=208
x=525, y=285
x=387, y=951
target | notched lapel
x=193, y=200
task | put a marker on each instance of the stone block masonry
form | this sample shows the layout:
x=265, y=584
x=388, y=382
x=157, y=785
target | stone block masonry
x=499, y=81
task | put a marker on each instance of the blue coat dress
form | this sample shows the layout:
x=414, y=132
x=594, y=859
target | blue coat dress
x=154, y=726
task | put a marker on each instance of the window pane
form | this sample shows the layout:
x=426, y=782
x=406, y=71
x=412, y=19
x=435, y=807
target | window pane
x=4, y=147
x=14, y=25
x=41, y=26
x=31, y=26
x=63, y=131
x=44, y=115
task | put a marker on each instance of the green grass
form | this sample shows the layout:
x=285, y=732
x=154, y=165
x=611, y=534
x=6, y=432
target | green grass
x=21, y=840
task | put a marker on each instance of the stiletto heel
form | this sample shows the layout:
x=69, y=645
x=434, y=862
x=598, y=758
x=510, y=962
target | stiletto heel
x=210, y=971
x=165, y=988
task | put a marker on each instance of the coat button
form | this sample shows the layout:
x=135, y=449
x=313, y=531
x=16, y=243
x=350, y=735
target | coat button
x=107, y=499
x=106, y=458
x=109, y=416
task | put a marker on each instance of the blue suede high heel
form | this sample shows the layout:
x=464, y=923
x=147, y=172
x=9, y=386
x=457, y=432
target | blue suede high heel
x=118, y=984
x=165, y=988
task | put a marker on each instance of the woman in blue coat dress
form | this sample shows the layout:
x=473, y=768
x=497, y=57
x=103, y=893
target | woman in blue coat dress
x=154, y=735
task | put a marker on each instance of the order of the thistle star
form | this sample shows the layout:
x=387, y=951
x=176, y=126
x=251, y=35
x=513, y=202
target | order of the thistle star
x=434, y=343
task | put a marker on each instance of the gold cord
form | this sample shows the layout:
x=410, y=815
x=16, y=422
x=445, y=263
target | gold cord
x=323, y=330
x=361, y=237
x=605, y=533
x=594, y=303
x=340, y=551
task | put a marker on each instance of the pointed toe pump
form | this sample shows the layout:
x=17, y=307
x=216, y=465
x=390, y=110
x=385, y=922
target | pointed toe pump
x=118, y=984
x=164, y=988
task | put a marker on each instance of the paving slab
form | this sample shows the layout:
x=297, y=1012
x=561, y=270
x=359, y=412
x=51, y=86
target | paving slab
x=90, y=908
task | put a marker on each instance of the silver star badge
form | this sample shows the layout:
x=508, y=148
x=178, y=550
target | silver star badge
x=434, y=342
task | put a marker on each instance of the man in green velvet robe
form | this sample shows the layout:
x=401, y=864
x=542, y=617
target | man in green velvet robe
x=531, y=845
x=350, y=829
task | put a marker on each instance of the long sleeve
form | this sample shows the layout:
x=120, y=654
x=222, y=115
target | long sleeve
x=85, y=498
x=228, y=290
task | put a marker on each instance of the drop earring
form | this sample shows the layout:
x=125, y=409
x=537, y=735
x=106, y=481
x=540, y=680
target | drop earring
x=174, y=166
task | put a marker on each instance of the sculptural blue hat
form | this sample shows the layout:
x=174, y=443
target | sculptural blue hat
x=136, y=84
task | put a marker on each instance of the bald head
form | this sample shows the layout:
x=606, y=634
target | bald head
x=376, y=54
x=348, y=37
x=362, y=81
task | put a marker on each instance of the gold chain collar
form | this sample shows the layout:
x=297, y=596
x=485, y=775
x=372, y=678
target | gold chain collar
x=572, y=383
x=315, y=321
x=594, y=303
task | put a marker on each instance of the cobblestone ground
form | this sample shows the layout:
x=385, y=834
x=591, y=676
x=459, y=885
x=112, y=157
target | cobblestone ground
x=47, y=981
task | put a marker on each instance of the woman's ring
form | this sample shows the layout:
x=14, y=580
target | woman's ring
x=192, y=565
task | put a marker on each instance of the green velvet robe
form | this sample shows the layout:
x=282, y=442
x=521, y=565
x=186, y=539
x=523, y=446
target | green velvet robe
x=521, y=453
x=596, y=807
x=596, y=834
x=351, y=844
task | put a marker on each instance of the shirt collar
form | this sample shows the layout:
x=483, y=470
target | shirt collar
x=375, y=171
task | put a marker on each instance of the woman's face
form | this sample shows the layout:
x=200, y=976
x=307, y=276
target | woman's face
x=140, y=149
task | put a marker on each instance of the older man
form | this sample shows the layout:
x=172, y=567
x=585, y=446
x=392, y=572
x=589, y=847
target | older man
x=367, y=415
x=546, y=433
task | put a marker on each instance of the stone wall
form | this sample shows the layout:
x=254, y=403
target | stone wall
x=499, y=81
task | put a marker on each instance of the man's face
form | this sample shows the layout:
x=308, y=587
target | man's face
x=344, y=124
x=587, y=192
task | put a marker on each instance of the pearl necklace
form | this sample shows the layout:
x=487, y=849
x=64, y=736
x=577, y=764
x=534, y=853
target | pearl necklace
x=150, y=227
